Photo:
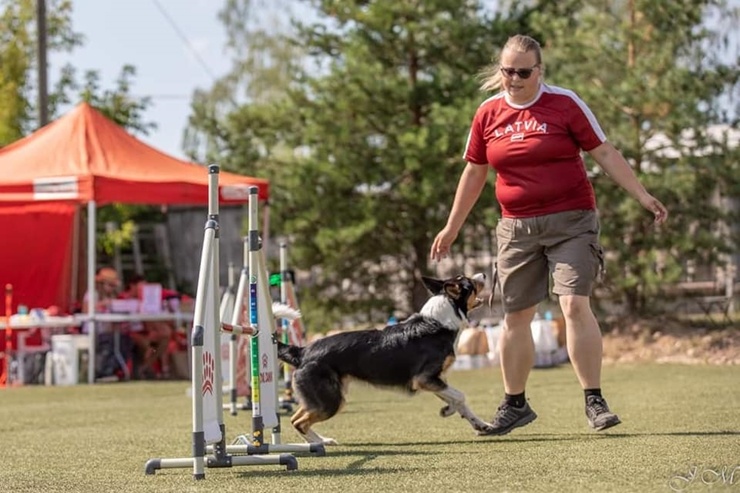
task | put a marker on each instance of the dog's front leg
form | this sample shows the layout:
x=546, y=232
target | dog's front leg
x=456, y=403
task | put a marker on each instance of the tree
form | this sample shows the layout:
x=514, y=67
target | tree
x=657, y=74
x=18, y=86
x=18, y=59
x=264, y=61
x=363, y=141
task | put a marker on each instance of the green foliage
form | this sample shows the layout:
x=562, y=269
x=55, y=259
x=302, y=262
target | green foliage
x=657, y=79
x=18, y=42
x=18, y=57
x=358, y=111
x=364, y=142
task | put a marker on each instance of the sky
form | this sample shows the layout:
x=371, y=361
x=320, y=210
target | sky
x=139, y=33
x=177, y=46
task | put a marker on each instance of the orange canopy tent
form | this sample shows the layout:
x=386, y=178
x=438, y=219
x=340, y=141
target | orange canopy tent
x=84, y=158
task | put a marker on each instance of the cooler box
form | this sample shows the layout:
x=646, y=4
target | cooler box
x=69, y=354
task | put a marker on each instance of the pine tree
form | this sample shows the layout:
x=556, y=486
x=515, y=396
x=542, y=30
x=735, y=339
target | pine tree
x=657, y=74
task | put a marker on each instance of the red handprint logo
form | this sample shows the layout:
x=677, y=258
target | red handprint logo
x=209, y=370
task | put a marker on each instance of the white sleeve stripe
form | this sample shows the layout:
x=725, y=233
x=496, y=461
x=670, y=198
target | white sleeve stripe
x=586, y=110
x=467, y=143
x=470, y=133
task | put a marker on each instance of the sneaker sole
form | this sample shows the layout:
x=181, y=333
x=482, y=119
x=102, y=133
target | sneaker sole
x=522, y=422
x=605, y=426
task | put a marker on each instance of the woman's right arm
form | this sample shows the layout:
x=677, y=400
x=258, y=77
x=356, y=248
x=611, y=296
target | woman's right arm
x=469, y=188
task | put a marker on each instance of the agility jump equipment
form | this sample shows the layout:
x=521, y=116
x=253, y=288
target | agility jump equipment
x=236, y=312
x=292, y=331
x=209, y=431
x=263, y=355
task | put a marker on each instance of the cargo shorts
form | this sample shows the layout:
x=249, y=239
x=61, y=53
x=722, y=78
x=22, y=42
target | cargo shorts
x=563, y=246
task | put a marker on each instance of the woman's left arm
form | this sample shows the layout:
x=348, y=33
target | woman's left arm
x=614, y=164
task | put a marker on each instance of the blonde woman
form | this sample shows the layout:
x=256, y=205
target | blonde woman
x=532, y=134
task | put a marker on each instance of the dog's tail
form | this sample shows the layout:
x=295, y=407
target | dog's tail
x=281, y=310
x=293, y=355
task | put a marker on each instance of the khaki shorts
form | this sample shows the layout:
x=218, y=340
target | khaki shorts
x=563, y=246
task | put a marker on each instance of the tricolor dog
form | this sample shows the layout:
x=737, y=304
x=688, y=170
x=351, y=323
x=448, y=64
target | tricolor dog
x=412, y=355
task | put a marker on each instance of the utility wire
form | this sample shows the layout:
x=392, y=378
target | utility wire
x=184, y=39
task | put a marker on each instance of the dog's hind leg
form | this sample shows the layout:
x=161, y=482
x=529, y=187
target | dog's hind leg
x=321, y=394
x=302, y=421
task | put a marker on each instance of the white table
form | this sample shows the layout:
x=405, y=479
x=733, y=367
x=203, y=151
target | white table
x=78, y=319
x=176, y=317
x=22, y=350
x=48, y=322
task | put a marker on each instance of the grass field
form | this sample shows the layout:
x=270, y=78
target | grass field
x=676, y=420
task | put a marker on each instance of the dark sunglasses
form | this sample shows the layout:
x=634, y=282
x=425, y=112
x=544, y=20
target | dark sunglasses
x=523, y=73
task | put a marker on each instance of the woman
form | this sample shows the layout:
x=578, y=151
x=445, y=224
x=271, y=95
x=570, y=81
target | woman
x=532, y=134
x=112, y=348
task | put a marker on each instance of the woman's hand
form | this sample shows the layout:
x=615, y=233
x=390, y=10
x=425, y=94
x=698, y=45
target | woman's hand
x=442, y=243
x=655, y=206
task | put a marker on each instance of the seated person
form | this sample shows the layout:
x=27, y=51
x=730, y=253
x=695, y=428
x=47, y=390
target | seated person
x=150, y=338
x=107, y=364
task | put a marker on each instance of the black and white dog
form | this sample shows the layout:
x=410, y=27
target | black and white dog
x=412, y=355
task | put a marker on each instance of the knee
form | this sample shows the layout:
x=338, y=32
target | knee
x=575, y=307
x=519, y=320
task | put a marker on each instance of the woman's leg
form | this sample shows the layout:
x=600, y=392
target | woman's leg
x=583, y=338
x=517, y=350
x=585, y=351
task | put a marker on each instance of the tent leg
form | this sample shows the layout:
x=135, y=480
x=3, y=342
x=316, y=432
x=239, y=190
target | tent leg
x=91, y=229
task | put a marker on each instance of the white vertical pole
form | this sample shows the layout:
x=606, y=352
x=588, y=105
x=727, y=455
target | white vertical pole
x=92, y=295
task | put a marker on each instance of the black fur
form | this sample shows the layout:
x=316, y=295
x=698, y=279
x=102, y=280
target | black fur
x=411, y=355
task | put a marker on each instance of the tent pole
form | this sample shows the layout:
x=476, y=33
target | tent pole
x=74, y=294
x=92, y=295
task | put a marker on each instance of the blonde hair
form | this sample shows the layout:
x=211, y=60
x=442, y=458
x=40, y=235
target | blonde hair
x=490, y=76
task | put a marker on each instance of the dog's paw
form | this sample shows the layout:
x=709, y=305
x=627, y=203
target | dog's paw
x=329, y=441
x=483, y=429
x=447, y=411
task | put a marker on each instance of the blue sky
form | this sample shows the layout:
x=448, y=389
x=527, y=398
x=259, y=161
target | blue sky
x=136, y=32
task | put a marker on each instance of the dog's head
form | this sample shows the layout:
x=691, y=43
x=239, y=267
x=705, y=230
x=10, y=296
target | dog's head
x=461, y=293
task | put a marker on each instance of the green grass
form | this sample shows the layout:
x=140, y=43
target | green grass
x=97, y=439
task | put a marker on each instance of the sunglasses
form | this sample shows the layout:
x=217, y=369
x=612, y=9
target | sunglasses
x=523, y=73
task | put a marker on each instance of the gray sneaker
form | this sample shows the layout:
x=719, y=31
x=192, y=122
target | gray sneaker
x=598, y=414
x=509, y=417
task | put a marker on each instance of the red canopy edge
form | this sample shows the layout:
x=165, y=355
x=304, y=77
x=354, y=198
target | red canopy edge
x=84, y=156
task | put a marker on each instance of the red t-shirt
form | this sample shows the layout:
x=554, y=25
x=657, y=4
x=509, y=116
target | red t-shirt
x=536, y=151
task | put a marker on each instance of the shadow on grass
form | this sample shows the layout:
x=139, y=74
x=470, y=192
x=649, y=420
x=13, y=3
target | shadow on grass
x=370, y=454
x=674, y=434
x=354, y=469
x=544, y=437
x=479, y=440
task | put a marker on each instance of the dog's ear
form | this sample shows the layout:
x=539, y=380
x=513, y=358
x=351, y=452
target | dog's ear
x=453, y=289
x=434, y=286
